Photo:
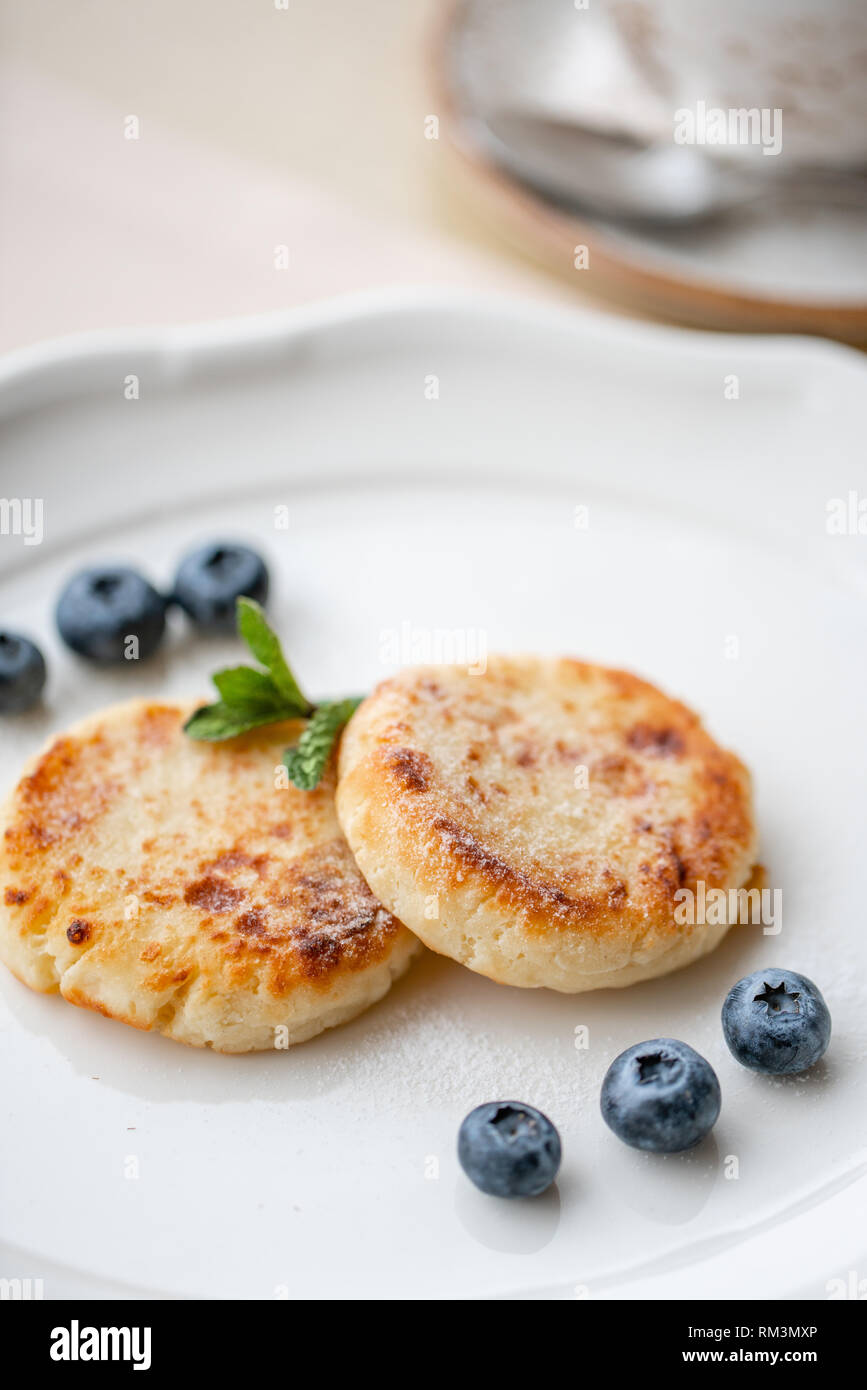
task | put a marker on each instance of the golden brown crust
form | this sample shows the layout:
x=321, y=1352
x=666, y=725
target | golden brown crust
x=546, y=813
x=177, y=885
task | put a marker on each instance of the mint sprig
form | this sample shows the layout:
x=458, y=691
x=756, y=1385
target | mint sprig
x=250, y=698
x=306, y=762
x=264, y=643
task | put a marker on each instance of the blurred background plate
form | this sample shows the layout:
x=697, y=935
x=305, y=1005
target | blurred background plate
x=553, y=481
x=792, y=263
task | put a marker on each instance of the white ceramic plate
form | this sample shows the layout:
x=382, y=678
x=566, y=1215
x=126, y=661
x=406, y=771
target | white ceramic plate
x=329, y=1170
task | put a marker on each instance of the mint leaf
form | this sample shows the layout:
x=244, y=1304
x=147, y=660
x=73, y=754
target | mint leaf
x=212, y=723
x=265, y=646
x=306, y=762
x=250, y=699
x=245, y=688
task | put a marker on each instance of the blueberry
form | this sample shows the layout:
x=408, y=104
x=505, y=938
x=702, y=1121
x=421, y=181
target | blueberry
x=508, y=1149
x=101, y=608
x=22, y=673
x=661, y=1096
x=212, y=578
x=776, y=1021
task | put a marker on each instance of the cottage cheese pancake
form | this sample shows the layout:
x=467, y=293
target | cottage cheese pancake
x=170, y=884
x=535, y=822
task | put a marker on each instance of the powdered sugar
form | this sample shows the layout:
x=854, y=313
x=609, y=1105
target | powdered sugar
x=435, y=1052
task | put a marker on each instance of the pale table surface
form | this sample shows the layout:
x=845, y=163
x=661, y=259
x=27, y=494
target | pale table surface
x=259, y=128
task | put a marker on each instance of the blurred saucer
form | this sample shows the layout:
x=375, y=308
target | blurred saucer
x=771, y=266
